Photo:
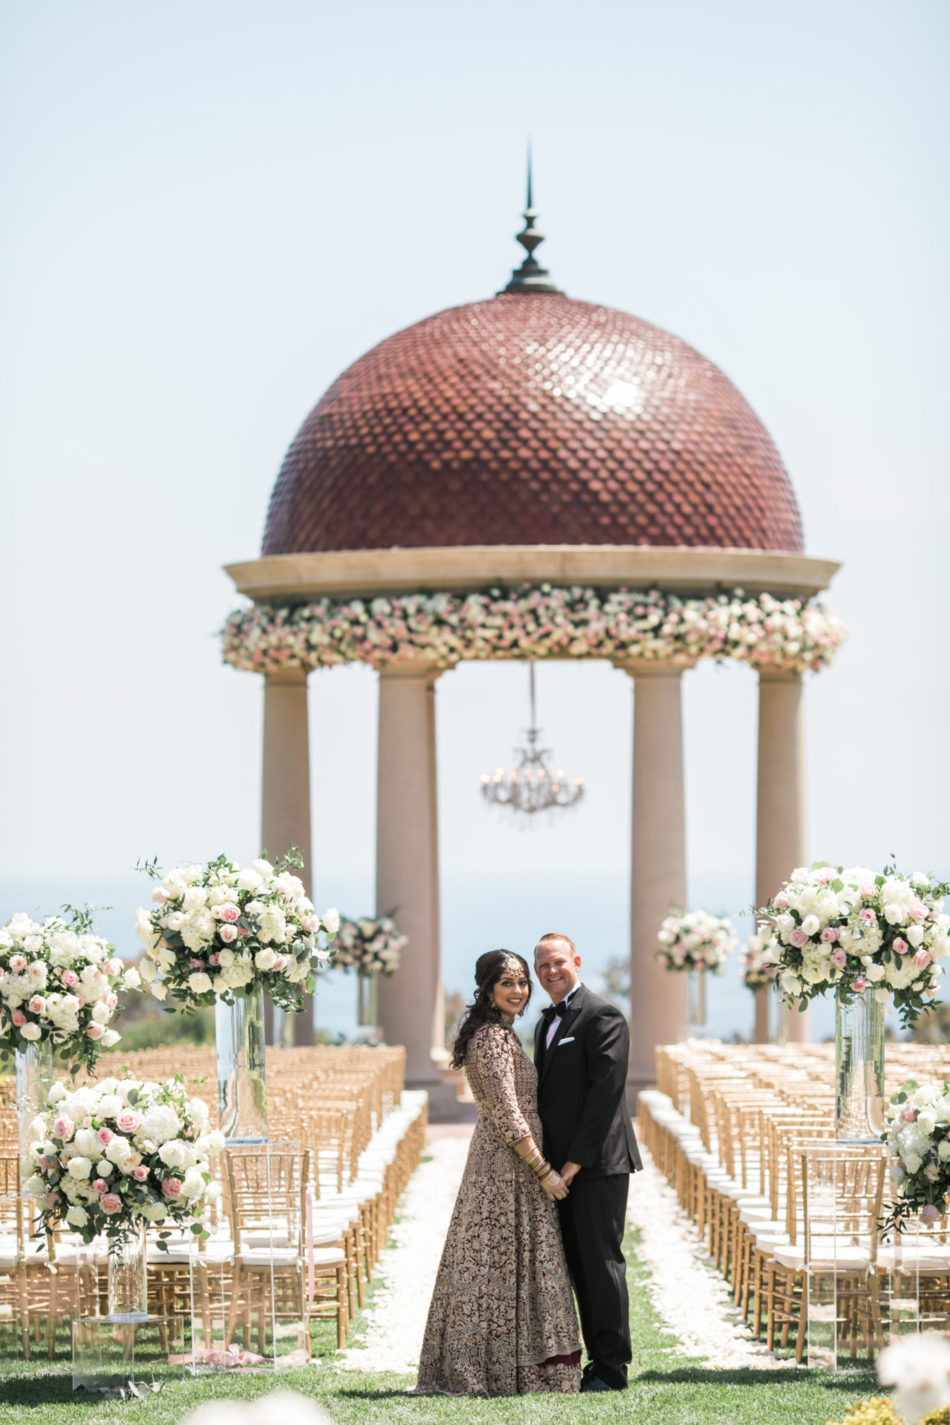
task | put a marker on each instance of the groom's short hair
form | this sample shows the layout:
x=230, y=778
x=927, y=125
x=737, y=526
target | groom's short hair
x=556, y=935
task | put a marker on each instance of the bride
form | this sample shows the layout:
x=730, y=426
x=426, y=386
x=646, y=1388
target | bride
x=502, y=1318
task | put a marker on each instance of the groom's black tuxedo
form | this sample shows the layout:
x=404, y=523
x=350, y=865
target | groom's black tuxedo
x=582, y=1080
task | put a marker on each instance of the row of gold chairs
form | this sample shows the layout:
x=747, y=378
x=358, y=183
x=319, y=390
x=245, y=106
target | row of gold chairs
x=295, y=1235
x=745, y=1135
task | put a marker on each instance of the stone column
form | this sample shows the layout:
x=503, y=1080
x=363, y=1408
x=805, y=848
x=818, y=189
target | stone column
x=407, y=862
x=285, y=793
x=658, y=880
x=781, y=833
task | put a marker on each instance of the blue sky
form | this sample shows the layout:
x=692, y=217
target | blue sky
x=212, y=208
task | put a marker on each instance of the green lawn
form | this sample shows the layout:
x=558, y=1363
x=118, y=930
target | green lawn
x=665, y=1389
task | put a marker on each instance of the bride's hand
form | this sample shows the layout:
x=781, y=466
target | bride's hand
x=554, y=1186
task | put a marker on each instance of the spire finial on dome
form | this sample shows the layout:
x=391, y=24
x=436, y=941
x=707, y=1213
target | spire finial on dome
x=530, y=276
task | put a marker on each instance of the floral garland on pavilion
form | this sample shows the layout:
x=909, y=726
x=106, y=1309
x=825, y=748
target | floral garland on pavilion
x=534, y=621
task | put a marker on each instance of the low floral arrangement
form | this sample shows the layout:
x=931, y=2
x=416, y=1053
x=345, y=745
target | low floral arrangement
x=694, y=939
x=534, y=621
x=858, y=930
x=918, y=1138
x=59, y=981
x=879, y=1411
x=759, y=960
x=223, y=930
x=109, y=1156
x=371, y=947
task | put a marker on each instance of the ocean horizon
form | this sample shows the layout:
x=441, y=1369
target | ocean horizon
x=479, y=911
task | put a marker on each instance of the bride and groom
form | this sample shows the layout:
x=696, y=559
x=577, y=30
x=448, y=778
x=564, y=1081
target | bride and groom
x=528, y=1227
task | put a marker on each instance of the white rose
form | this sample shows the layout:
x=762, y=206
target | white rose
x=132, y=979
x=199, y=982
x=119, y=1151
x=109, y=1105
x=331, y=920
x=86, y=1143
x=77, y=1216
x=193, y=1183
x=144, y=928
x=249, y=880
x=811, y=925
x=265, y=959
x=210, y=1143
x=912, y=1162
x=914, y=934
x=174, y=1154
x=37, y=1186
x=101, y=1013
x=148, y=971
x=154, y=1211
x=30, y=1032
x=198, y=1110
x=226, y=958
x=79, y=1168
x=159, y=992
x=104, y=1169
x=262, y=867
x=110, y=1037
x=195, y=898
x=874, y=972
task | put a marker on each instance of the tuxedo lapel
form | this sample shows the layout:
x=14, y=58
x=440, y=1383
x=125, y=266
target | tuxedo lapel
x=564, y=1024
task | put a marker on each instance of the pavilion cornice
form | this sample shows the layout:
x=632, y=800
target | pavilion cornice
x=366, y=573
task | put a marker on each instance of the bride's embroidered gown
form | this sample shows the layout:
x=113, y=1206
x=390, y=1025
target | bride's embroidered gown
x=502, y=1318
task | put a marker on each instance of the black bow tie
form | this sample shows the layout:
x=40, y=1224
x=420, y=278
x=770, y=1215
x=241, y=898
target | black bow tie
x=556, y=1009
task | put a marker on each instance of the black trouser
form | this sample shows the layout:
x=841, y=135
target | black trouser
x=592, y=1222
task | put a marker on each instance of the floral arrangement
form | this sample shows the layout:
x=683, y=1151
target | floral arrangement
x=534, y=621
x=759, y=960
x=918, y=1367
x=694, y=939
x=858, y=930
x=109, y=1156
x=59, y=981
x=371, y=947
x=879, y=1411
x=918, y=1138
x=222, y=930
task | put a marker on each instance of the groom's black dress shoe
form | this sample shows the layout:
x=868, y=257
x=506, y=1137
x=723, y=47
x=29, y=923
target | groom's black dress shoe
x=592, y=1382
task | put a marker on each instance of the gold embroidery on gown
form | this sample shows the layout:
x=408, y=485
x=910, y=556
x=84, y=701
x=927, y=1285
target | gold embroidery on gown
x=502, y=1303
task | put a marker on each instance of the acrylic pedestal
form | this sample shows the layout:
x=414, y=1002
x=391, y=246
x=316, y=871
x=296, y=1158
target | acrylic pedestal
x=113, y=1354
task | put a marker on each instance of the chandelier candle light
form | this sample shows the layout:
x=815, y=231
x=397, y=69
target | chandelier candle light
x=868, y=937
x=221, y=935
x=532, y=787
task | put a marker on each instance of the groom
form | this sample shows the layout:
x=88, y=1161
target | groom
x=581, y=1049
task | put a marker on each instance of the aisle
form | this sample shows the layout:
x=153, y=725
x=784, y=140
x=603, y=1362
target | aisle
x=391, y=1338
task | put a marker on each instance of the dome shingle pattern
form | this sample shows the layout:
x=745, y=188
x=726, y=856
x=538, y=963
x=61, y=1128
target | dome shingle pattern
x=531, y=419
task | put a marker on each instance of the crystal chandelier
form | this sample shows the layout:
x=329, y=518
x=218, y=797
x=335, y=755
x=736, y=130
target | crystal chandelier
x=532, y=786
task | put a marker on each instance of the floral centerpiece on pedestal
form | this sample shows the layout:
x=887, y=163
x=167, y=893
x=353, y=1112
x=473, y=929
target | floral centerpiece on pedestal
x=855, y=930
x=59, y=984
x=760, y=960
x=369, y=946
x=695, y=940
x=918, y=1138
x=221, y=930
x=111, y=1156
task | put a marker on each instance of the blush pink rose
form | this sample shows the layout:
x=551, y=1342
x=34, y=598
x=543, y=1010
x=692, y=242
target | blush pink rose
x=37, y=1004
x=907, y=1114
x=918, y=911
x=868, y=893
x=280, y=962
x=781, y=901
x=829, y=935
x=859, y=985
x=111, y=1000
x=798, y=937
x=899, y=944
x=104, y=1135
x=51, y=1199
x=95, y=1031
x=228, y=933
x=70, y=978
x=17, y=964
x=140, y=1173
x=196, y=964
x=229, y=913
x=929, y=1213
x=215, y=959
x=308, y=923
x=867, y=916
x=171, y=1187
x=839, y=959
x=100, y=1185
x=922, y=959
x=159, y=896
x=19, y=1017
x=128, y=1120
x=111, y=1203
x=63, y=1127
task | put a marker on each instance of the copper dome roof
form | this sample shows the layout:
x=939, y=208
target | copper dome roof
x=531, y=418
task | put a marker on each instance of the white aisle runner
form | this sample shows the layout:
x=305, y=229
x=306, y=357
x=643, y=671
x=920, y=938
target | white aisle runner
x=394, y=1325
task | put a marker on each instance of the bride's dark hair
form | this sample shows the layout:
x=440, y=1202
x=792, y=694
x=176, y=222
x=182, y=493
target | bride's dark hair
x=489, y=969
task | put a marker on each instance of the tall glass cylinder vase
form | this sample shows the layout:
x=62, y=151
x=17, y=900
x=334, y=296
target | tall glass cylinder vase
x=859, y=1070
x=34, y=1079
x=696, y=997
x=242, y=1083
x=127, y=1280
x=367, y=999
